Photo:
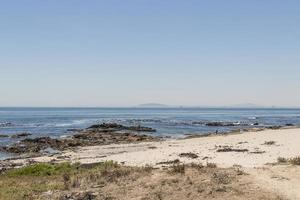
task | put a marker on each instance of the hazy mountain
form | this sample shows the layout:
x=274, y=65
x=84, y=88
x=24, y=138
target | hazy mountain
x=247, y=105
x=152, y=105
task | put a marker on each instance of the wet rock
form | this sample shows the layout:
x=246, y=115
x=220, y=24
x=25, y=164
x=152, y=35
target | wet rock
x=107, y=126
x=33, y=145
x=88, y=137
x=219, y=124
x=3, y=136
x=20, y=135
x=74, y=130
x=275, y=127
x=289, y=125
x=119, y=127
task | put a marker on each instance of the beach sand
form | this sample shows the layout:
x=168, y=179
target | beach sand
x=254, y=152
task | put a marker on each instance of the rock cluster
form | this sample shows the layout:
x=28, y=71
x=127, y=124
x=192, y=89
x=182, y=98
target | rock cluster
x=100, y=134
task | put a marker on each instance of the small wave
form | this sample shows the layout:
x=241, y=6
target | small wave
x=6, y=124
x=252, y=118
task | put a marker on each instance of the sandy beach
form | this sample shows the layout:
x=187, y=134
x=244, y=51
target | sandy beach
x=254, y=152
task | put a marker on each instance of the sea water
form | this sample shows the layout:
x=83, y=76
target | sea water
x=169, y=122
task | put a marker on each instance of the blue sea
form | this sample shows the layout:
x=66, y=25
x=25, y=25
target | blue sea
x=169, y=122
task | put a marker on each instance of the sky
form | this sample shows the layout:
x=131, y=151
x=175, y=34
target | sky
x=125, y=53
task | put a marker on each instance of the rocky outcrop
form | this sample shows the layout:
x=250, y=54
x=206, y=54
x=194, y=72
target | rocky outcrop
x=102, y=134
x=119, y=127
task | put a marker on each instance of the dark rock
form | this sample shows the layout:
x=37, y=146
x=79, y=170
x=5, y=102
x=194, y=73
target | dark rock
x=106, y=126
x=220, y=124
x=119, y=127
x=4, y=136
x=87, y=137
x=20, y=135
x=289, y=125
x=275, y=127
x=74, y=130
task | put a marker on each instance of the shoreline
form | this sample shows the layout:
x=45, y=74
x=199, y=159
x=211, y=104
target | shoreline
x=135, y=145
x=246, y=149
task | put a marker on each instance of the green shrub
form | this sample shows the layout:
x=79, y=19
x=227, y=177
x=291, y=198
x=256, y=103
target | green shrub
x=43, y=169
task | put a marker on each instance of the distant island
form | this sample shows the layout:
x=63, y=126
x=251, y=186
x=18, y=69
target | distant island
x=153, y=105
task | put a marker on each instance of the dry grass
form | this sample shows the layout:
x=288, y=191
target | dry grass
x=292, y=161
x=295, y=160
x=109, y=180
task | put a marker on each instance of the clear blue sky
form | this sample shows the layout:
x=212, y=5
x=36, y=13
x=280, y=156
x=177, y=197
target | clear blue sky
x=123, y=53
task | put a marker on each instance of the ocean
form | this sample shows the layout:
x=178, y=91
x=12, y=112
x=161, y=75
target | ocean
x=169, y=122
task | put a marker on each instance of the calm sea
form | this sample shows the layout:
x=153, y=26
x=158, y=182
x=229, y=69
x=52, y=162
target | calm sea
x=172, y=122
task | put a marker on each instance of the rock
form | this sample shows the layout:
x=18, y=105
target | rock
x=106, y=126
x=74, y=130
x=219, y=124
x=88, y=137
x=4, y=136
x=119, y=127
x=289, y=125
x=275, y=127
x=20, y=135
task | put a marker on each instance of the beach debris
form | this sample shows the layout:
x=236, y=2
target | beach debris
x=170, y=162
x=189, y=155
x=258, y=152
x=269, y=143
x=230, y=149
x=245, y=142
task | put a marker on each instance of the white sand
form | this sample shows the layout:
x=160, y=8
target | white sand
x=286, y=145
